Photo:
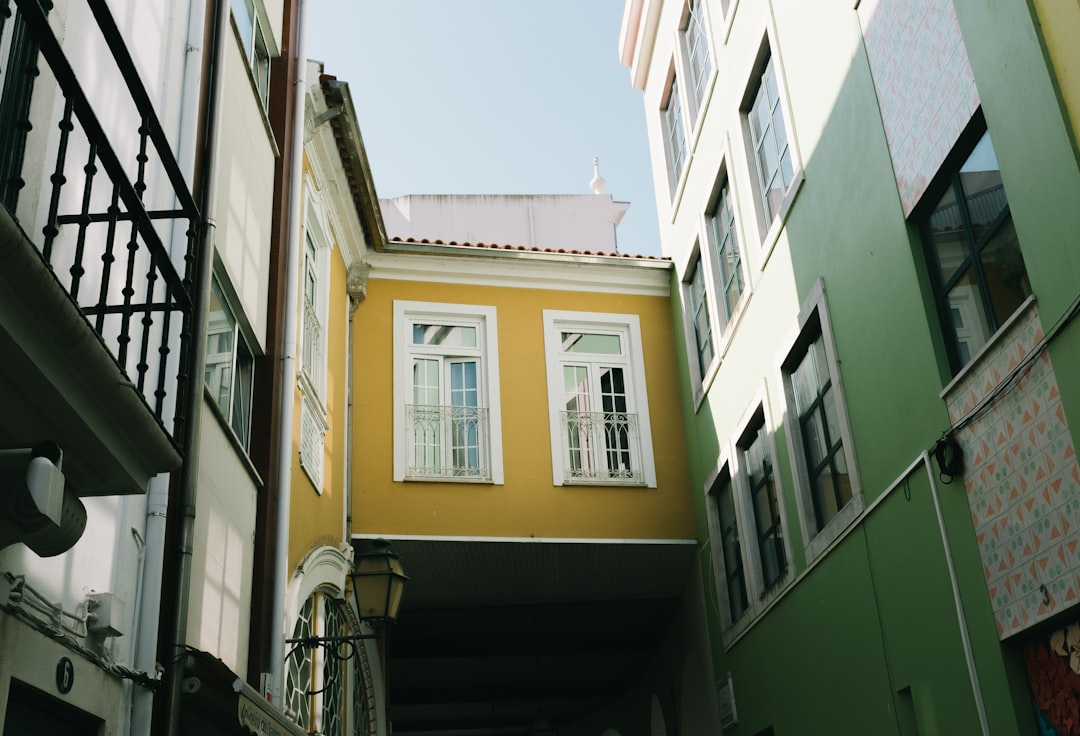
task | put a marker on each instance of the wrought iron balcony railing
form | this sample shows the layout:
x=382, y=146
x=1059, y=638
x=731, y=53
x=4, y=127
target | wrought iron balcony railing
x=104, y=195
x=601, y=447
x=447, y=442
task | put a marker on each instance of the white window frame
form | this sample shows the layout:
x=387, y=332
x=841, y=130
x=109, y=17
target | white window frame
x=675, y=134
x=628, y=327
x=313, y=357
x=726, y=466
x=694, y=40
x=407, y=313
x=731, y=458
x=240, y=355
x=249, y=25
x=769, y=220
x=701, y=375
x=814, y=316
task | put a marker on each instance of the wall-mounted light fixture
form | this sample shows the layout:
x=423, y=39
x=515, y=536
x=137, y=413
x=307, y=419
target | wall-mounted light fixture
x=378, y=581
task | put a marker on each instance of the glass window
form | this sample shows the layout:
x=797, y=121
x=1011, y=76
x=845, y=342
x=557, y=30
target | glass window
x=768, y=135
x=229, y=365
x=727, y=526
x=697, y=304
x=696, y=47
x=675, y=135
x=769, y=533
x=599, y=417
x=449, y=413
x=728, y=256
x=975, y=260
x=815, y=402
x=254, y=46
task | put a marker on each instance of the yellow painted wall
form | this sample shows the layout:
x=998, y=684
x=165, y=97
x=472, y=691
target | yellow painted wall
x=528, y=504
x=1060, y=20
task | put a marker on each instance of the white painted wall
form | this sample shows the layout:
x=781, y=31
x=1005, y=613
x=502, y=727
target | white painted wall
x=568, y=221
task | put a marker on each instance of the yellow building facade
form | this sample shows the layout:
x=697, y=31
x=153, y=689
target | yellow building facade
x=508, y=419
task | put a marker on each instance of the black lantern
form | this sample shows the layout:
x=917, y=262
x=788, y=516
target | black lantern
x=377, y=583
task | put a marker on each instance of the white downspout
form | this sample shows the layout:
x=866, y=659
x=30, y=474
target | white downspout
x=149, y=586
x=288, y=369
x=965, y=638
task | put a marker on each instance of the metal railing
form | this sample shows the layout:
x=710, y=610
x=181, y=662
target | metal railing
x=446, y=441
x=98, y=237
x=601, y=446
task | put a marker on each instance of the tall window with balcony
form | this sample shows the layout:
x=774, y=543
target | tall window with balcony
x=674, y=134
x=229, y=365
x=694, y=41
x=976, y=266
x=596, y=394
x=769, y=141
x=313, y=365
x=446, y=388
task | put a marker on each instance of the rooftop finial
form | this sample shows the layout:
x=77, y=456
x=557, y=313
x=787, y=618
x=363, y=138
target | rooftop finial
x=597, y=183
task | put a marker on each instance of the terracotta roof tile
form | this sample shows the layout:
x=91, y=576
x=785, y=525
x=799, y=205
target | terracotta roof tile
x=533, y=249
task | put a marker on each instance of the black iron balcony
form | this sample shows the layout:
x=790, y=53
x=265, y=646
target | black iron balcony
x=98, y=235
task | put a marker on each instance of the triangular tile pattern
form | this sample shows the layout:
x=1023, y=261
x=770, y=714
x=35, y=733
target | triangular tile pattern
x=924, y=84
x=1022, y=480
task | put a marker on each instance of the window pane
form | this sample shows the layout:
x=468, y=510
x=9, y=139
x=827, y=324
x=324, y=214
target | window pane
x=968, y=320
x=734, y=573
x=463, y=387
x=699, y=313
x=980, y=178
x=448, y=335
x=582, y=342
x=576, y=387
x=729, y=260
x=242, y=386
x=1006, y=274
x=426, y=382
x=697, y=50
x=221, y=332
x=244, y=14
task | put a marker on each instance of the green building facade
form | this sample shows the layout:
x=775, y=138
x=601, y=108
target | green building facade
x=871, y=208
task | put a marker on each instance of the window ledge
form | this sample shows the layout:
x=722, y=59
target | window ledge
x=823, y=540
x=606, y=483
x=760, y=608
x=448, y=479
x=242, y=454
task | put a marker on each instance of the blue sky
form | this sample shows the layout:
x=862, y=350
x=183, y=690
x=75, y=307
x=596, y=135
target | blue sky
x=492, y=97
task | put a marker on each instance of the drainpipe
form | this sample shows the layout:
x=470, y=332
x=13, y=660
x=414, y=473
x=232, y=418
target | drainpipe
x=288, y=370
x=157, y=497
x=965, y=638
x=189, y=472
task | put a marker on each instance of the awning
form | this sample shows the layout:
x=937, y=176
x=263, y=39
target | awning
x=218, y=701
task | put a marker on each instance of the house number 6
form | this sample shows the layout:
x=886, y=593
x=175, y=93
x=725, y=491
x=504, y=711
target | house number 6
x=65, y=675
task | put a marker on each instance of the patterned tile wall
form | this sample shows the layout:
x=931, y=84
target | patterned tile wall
x=1022, y=479
x=924, y=85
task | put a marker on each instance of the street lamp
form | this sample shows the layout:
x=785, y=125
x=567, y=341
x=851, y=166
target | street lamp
x=377, y=584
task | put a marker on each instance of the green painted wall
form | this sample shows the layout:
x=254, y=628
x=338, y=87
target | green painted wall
x=868, y=639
